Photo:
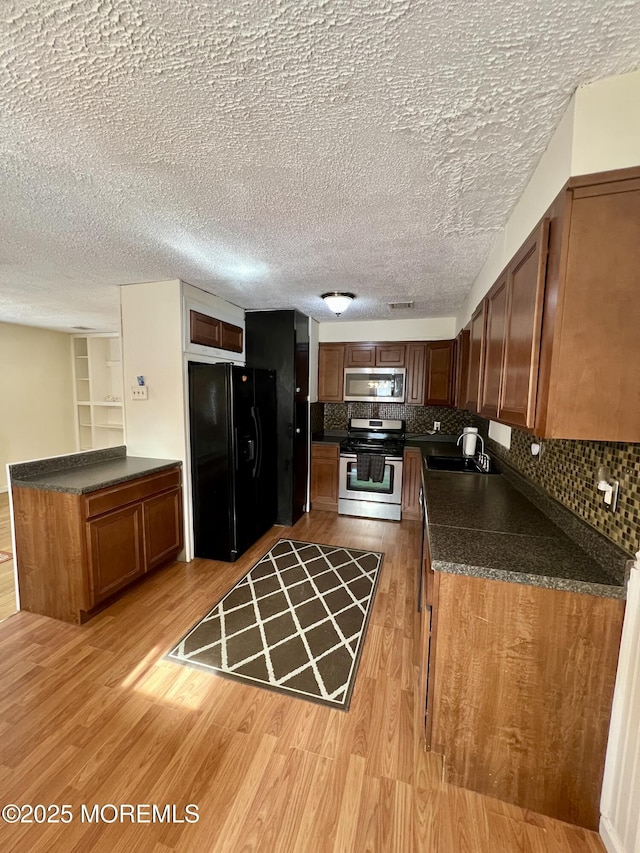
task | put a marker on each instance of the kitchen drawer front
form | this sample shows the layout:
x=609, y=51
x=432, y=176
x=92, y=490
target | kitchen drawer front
x=130, y=491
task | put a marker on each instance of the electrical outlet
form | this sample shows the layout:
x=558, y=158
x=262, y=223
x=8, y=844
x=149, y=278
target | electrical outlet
x=139, y=392
x=436, y=426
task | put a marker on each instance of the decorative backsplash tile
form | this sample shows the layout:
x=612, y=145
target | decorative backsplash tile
x=418, y=419
x=567, y=471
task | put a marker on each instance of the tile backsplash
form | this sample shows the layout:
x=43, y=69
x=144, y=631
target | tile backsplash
x=566, y=470
x=418, y=419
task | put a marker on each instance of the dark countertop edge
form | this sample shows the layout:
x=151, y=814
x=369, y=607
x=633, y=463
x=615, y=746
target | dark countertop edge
x=593, y=543
x=527, y=579
x=41, y=484
x=328, y=436
x=66, y=462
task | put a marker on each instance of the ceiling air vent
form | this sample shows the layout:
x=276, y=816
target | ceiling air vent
x=397, y=305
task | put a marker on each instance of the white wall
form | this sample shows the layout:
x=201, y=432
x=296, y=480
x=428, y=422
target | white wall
x=599, y=131
x=36, y=390
x=436, y=329
x=607, y=125
x=152, y=347
x=548, y=178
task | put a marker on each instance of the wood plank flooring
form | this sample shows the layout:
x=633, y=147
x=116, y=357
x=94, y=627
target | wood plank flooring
x=7, y=585
x=93, y=715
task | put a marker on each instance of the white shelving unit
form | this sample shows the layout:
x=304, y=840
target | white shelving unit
x=97, y=374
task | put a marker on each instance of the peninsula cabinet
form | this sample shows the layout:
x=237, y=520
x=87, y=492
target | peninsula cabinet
x=519, y=682
x=74, y=551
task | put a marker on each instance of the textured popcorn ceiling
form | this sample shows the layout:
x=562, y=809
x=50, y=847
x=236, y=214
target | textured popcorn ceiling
x=269, y=151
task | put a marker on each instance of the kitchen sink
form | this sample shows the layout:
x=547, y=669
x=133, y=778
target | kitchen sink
x=461, y=464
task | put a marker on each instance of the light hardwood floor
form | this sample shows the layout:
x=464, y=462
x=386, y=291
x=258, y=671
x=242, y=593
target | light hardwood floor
x=7, y=585
x=94, y=715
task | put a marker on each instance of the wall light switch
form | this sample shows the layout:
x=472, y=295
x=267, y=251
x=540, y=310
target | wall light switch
x=139, y=392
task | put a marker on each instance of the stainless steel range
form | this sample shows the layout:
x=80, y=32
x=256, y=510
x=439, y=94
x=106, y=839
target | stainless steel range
x=370, y=483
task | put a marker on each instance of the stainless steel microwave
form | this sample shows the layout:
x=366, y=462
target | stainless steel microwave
x=375, y=384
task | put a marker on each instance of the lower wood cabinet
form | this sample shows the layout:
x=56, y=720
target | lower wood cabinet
x=116, y=551
x=519, y=682
x=75, y=551
x=325, y=460
x=411, y=482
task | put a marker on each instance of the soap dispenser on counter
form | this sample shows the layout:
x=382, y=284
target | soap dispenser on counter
x=469, y=439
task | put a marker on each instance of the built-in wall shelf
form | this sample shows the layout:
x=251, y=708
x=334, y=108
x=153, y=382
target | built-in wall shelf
x=98, y=389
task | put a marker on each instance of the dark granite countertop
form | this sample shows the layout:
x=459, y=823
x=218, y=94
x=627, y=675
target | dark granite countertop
x=485, y=526
x=329, y=436
x=79, y=474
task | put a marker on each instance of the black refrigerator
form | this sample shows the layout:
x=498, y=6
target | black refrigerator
x=232, y=412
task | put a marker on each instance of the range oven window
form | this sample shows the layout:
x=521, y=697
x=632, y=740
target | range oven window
x=383, y=488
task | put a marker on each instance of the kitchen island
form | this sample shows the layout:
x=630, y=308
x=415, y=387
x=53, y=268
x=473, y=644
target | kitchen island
x=520, y=635
x=89, y=524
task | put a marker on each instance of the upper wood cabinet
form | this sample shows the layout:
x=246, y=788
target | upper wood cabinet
x=490, y=386
x=525, y=297
x=590, y=355
x=429, y=366
x=416, y=364
x=331, y=373
x=375, y=355
x=461, y=369
x=560, y=350
x=211, y=332
x=439, y=373
x=476, y=358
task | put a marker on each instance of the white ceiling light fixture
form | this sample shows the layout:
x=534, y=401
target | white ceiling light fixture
x=338, y=302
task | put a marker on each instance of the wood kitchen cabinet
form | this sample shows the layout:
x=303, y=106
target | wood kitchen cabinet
x=75, y=551
x=439, y=373
x=461, y=370
x=556, y=338
x=476, y=358
x=496, y=318
x=331, y=373
x=523, y=324
x=210, y=332
x=519, y=681
x=411, y=482
x=416, y=373
x=588, y=377
x=375, y=355
x=325, y=459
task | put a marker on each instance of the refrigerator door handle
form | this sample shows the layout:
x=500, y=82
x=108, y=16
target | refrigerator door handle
x=258, y=427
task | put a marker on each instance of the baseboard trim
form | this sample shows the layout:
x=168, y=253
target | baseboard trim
x=610, y=837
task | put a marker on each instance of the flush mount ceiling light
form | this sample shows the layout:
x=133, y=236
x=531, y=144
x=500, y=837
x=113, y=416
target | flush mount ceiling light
x=338, y=302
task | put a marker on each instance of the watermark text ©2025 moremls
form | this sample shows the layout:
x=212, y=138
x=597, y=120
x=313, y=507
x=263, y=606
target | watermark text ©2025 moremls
x=100, y=813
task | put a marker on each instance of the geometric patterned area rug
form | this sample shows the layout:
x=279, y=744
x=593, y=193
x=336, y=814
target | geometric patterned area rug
x=5, y=556
x=295, y=623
